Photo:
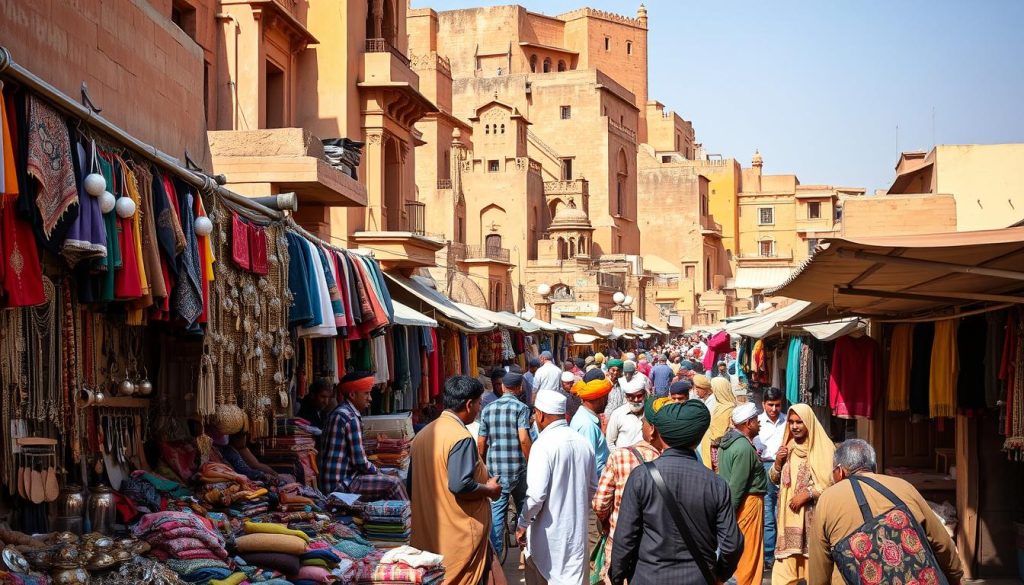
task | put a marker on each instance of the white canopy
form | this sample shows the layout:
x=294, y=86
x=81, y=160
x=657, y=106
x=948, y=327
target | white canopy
x=405, y=315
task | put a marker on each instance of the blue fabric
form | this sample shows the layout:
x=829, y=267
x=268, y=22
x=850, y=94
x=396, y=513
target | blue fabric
x=464, y=354
x=661, y=376
x=793, y=371
x=499, y=508
x=300, y=313
x=312, y=283
x=587, y=424
x=771, y=502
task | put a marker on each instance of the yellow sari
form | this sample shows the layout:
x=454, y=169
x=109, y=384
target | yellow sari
x=721, y=418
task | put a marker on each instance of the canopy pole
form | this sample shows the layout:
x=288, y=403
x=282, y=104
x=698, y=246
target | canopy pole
x=934, y=264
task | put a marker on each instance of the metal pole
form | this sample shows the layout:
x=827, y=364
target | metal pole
x=204, y=183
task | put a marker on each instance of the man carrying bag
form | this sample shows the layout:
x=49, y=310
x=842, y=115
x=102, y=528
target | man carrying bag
x=681, y=500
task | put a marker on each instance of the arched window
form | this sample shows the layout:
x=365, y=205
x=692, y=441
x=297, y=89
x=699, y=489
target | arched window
x=533, y=63
x=561, y=65
x=492, y=241
x=487, y=128
x=547, y=65
x=629, y=47
x=502, y=128
x=707, y=274
x=581, y=250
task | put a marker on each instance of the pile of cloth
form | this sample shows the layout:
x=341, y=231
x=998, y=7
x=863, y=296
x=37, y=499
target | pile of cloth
x=223, y=487
x=387, y=523
x=182, y=536
x=295, y=497
x=292, y=450
x=387, y=453
x=404, y=565
x=272, y=547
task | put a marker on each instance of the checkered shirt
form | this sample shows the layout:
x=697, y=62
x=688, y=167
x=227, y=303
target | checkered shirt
x=500, y=422
x=344, y=458
x=613, y=479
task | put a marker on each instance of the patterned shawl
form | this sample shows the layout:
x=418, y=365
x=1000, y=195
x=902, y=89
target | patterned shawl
x=49, y=161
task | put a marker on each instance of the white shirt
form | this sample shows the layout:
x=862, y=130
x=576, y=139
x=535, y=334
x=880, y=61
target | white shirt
x=561, y=479
x=625, y=429
x=770, y=436
x=548, y=377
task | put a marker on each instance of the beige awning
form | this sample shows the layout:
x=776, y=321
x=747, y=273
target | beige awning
x=908, y=276
x=760, y=277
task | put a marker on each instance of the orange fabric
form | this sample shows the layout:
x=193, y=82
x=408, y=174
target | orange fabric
x=750, y=517
x=593, y=389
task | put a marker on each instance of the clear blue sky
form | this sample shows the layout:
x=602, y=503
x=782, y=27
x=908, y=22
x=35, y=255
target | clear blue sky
x=820, y=86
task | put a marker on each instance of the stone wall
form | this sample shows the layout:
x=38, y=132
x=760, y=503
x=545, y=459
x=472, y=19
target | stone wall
x=141, y=69
x=895, y=215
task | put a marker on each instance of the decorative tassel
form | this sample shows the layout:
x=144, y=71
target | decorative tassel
x=206, y=396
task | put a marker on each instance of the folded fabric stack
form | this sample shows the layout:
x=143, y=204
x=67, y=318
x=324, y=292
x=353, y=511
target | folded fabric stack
x=181, y=536
x=319, y=563
x=387, y=523
x=404, y=565
x=273, y=547
x=388, y=453
x=295, y=497
x=292, y=450
x=223, y=487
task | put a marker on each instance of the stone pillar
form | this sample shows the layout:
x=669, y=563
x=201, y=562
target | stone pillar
x=622, y=317
x=543, y=309
x=374, y=157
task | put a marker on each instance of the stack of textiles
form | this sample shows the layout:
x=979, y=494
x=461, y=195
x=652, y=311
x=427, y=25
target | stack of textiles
x=150, y=492
x=272, y=547
x=319, y=563
x=404, y=566
x=182, y=536
x=387, y=453
x=387, y=523
x=222, y=487
x=292, y=449
x=296, y=497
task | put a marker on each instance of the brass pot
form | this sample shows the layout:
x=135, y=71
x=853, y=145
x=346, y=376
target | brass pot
x=102, y=510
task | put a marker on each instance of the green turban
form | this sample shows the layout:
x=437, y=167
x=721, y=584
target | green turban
x=680, y=425
x=616, y=363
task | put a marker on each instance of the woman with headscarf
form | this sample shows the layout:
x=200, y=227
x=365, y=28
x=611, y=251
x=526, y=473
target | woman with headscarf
x=802, y=470
x=725, y=401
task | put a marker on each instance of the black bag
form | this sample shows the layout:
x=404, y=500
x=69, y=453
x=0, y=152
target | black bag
x=887, y=548
x=681, y=525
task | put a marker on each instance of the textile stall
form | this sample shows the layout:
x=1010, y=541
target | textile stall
x=946, y=310
x=152, y=323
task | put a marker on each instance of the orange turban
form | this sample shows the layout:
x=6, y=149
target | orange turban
x=593, y=389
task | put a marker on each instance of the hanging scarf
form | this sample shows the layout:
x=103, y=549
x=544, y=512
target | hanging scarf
x=809, y=464
x=901, y=347
x=188, y=295
x=49, y=161
x=944, y=367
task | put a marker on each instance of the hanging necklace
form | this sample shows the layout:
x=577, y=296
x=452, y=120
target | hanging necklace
x=45, y=371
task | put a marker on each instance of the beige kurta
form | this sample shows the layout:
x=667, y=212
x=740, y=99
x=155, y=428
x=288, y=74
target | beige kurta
x=458, y=529
x=837, y=516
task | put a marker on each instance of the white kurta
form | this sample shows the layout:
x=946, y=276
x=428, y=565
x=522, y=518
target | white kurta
x=548, y=377
x=625, y=429
x=561, y=479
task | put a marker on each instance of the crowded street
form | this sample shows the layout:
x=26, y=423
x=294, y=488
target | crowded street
x=438, y=292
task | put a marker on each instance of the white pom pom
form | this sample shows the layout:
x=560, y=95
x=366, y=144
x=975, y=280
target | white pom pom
x=125, y=207
x=107, y=202
x=204, y=226
x=95, y=184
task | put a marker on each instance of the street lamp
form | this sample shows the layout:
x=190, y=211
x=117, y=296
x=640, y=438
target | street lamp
x=543, y=289
x=619, y=298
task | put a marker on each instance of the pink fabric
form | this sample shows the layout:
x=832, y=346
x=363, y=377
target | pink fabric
x=718, y=344
x=318, y=574
x=855, y=377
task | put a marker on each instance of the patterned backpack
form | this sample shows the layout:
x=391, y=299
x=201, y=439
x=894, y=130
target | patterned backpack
x=890, y=548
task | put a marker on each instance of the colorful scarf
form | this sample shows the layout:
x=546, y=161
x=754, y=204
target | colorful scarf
x=49, y=161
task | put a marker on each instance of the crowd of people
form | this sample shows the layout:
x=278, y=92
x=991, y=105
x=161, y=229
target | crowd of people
x=651, y=467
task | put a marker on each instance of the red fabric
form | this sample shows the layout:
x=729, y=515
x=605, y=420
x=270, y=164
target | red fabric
x=855, y=376
x=718, y=344
x=258, y=251
x=127, y=280
x=22, y=272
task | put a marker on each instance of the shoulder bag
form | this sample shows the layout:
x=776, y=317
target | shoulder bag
x=681, y=525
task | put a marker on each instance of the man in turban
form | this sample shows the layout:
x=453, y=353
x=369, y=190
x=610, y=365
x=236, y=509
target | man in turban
x=614, y=370
x=648, y=548
x=345, y=467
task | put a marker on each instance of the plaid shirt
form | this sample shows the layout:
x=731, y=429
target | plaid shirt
x=500, y=423
x=613, y=479
x=344, y=458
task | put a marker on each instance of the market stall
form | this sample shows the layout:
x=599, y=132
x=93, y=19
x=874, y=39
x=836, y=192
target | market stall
x=155, y=327
x=947, y=311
